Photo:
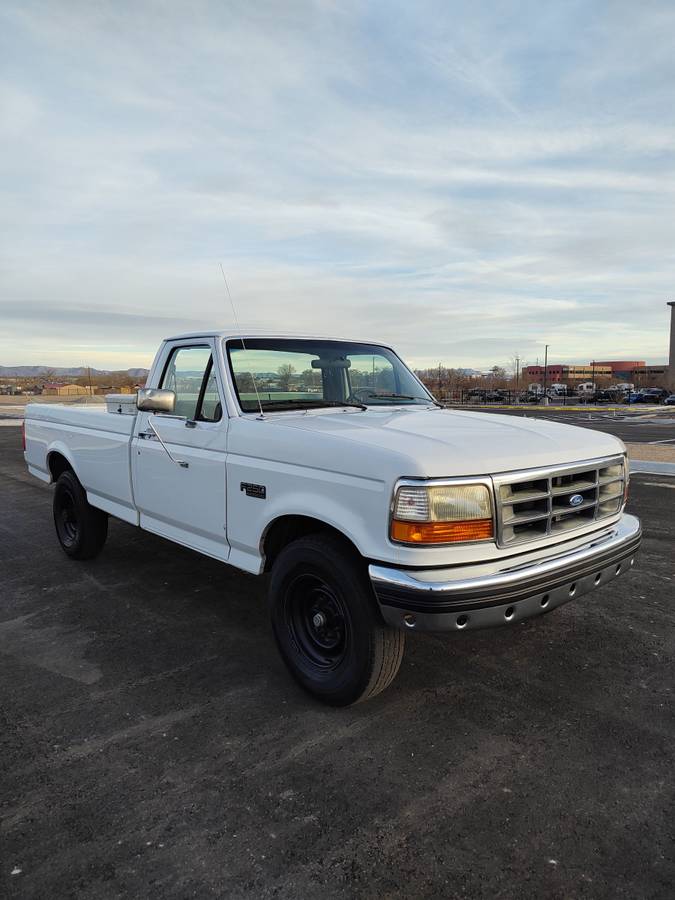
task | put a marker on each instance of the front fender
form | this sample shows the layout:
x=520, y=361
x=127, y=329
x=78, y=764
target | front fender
x=356, y=507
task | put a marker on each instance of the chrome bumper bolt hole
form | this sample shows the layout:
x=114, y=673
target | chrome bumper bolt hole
x=509, y=613
x=598, y=577
x=573, y=590
x=462, y=621
x=618, y=569
x=544, y=601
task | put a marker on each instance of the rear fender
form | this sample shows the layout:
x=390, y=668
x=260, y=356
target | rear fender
x=58, y=447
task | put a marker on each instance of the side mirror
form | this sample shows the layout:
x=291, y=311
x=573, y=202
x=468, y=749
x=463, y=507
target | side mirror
x=153, y=400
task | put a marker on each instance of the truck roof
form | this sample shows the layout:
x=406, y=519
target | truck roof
x=251, y=334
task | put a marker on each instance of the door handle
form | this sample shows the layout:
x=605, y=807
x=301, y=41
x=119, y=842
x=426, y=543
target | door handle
x=179, y=462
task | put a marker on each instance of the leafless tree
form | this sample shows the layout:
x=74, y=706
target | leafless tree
x=285, y=374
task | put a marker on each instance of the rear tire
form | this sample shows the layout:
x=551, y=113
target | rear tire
x=80, y=527
x=326, y=624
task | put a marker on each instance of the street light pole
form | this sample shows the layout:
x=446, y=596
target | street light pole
x=544, y=399
x=517, y=376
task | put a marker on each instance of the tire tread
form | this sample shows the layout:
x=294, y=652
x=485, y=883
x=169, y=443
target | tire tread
x=387, y=643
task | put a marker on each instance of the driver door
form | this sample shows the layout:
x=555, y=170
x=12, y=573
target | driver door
x=179, y=486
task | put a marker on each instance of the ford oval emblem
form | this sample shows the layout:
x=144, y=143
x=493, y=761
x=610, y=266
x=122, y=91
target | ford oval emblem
x=576, y=500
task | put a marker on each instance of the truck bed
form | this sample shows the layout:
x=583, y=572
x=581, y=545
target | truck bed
x=83, y=416
x=96, y=444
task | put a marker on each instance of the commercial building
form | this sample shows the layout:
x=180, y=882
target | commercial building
x=652, y=376
x=622, y=368
x=67, y=390
x=566, y=374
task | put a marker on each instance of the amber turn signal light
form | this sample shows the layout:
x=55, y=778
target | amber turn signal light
x=441, y=532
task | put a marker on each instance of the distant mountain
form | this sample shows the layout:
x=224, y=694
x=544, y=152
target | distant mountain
x=62, y=371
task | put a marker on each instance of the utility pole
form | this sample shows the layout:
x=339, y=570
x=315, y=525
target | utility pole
x=439, y=381
x=517, y=377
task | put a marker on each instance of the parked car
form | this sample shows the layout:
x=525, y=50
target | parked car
x=652, y=395
x=586, y=392
x=476, y=395
x=375, y=512
x=670, y=401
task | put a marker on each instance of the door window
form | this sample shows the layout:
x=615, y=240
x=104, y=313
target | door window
x=190, y=374
x=211, y=408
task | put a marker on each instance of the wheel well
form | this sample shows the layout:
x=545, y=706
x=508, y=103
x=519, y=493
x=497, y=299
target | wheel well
x=288, y=528
x=58, y=464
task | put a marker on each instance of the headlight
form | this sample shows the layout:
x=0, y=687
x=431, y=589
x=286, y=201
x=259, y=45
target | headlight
x=442, y=514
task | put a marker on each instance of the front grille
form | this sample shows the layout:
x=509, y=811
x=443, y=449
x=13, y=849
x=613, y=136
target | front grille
x=542, y=502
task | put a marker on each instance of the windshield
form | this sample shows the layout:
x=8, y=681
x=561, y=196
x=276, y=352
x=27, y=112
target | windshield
x=293, y=374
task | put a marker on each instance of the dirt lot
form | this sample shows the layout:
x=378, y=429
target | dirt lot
x=153, y=746
x=652, y=452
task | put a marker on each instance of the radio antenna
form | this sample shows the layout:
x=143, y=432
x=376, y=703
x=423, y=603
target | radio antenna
x=241, y=338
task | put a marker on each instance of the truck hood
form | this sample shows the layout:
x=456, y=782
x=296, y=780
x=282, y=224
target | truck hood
x=442, y=442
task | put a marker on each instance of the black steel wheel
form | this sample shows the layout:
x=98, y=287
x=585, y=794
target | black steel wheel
x=316, y=619
x=326, y=622
x=80, y=527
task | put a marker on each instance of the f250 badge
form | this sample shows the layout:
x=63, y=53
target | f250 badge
x=254, y=490
x=576, y=500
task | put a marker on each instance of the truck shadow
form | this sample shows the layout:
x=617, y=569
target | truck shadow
x=203, y=606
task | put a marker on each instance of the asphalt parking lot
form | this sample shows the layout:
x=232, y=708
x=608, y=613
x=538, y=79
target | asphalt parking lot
x=152, y=744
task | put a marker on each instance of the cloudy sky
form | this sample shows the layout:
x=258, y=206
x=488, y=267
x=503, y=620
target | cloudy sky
x=467, y=181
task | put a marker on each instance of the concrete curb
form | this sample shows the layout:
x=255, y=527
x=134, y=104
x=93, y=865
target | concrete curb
x=648, y=467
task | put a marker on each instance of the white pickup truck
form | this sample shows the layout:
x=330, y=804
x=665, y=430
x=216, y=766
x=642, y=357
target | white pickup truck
x=328, y=464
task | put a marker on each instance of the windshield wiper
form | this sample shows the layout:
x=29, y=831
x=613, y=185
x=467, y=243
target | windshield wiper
x=404, y=397
x=279, y=404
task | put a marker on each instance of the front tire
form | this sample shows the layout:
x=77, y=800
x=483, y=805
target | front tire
x=327, y=627
x=80, y=527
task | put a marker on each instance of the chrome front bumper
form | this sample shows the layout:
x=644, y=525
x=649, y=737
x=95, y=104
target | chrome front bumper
x=458, y=599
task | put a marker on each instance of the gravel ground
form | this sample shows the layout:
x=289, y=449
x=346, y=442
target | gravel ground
x=655, y=452
x=153, y=746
